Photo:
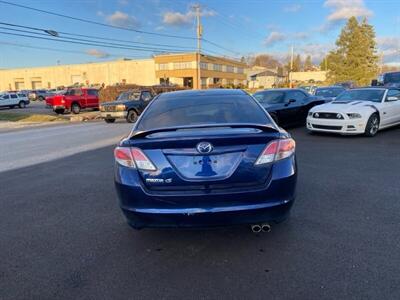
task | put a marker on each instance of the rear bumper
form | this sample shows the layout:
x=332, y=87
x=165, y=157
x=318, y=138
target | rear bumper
x=272, y=212
x=271, y=203
x=58, y=107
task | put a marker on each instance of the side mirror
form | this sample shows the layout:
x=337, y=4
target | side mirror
x=390, y=99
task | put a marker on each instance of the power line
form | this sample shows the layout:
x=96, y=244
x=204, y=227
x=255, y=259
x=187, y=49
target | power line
x=79, y=43
x=63, y=50
x=104, y=44
x=181, y=48
x=112, y=26
x=219, y=46
x=94, y=37
x=96, y=23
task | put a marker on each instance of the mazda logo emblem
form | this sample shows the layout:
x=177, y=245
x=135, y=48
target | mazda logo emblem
x=204, y=147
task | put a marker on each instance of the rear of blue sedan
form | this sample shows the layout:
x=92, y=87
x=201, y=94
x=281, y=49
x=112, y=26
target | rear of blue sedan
x=205, y=158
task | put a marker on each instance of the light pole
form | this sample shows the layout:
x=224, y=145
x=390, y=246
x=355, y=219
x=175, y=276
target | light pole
x=199, y=30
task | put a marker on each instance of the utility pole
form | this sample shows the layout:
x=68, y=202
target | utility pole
x=291, y=67
x=199, y=30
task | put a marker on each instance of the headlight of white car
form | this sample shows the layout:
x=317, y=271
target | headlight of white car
x=354, y=116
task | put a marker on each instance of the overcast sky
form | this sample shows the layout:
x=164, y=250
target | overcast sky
x=238, y=27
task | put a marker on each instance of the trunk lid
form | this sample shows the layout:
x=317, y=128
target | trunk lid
x=205, y=159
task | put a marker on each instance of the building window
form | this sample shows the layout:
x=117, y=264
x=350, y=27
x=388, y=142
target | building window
x=204, y=65
x=163, y=66
x=203, y=81
x=183, y=65
x=217, y=67
x=164, y=81
x=239, y=70
x=216, y=80
x=230, y=69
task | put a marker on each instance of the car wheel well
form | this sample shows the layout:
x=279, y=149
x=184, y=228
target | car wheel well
x=75, y=103
x=134, y=109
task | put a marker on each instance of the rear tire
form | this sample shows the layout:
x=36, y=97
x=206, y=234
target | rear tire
x=75, y=108
x=372, y=126
x=109, y=120
x=22, y=104
x=40, y=98
x=132, y=116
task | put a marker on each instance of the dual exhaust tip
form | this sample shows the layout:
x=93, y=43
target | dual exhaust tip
x=265, y=227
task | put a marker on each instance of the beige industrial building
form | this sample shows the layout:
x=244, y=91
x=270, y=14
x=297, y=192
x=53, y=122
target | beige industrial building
x=132, y=71
x=309, y=76
x=179, y=69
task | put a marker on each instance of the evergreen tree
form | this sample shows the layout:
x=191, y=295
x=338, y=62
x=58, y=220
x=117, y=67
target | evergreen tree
x=324, y=64
x=297, y=64
x=354, y=58
x=308, y=64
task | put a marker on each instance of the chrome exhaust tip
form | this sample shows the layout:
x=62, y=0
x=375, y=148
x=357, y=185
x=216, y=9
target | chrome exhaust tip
x=256, y=228
x=266, y=227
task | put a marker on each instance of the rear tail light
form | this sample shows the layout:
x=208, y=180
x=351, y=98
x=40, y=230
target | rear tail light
x=133, y=158
x=277, y=150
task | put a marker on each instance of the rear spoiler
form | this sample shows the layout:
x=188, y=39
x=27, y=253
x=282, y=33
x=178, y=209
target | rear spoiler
x=143, y=133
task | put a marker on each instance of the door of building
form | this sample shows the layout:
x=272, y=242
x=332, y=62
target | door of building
x=188, y=82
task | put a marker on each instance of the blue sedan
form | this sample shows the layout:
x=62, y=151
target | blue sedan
x=203, y=159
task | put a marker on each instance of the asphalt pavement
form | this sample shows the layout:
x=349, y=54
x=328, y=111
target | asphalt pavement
x=62, y=235
x=30, y=146
x=34, y=107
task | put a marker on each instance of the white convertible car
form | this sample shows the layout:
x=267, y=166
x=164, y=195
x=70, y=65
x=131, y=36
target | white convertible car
x=357, y=111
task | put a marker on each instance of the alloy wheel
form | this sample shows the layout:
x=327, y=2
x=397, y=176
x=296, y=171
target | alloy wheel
x=374, y=126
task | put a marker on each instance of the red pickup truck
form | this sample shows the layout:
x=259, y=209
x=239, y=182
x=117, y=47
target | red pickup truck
x=73, y=100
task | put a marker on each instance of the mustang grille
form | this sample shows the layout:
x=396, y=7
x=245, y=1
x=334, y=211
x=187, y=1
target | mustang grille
x=327, y=115
x=326, y=127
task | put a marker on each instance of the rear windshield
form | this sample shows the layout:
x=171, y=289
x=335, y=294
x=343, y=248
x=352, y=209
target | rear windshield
x=168, y=111
x=129, y=96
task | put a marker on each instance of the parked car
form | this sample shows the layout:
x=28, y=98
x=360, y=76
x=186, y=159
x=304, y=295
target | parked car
x=39, y=95
x=346, y=84
x=74, y=100
x=391, y=79
x=288, y=107
x=205, y=158
x=12, y=100
x=357, y=111
x=328, y=92
x=128, y=105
